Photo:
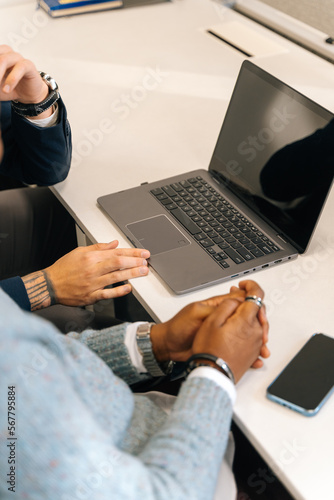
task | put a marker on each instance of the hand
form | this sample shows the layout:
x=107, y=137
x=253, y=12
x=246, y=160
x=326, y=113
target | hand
x=173, y=340
x=234, y=332
x=80, y=277
x=264, y=353
x=20, y=80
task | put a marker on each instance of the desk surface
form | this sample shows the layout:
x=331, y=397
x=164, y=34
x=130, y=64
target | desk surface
x=146, y=91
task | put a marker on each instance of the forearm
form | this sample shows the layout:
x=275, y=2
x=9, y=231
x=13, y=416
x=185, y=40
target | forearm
x=32, y=154
x=109, y=344
x=185, y=455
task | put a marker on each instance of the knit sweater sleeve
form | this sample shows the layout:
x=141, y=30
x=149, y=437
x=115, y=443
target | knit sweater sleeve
x=73, y=414
x=109, y=345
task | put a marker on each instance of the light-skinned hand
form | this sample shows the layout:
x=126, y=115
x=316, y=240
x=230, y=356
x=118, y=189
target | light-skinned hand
x=80, y=277
x=20, y=80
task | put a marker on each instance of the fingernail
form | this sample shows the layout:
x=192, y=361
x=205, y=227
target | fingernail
x=143, y=270
x=127, y=288
x=144, y=262
x=145, y=254
x=6, y=89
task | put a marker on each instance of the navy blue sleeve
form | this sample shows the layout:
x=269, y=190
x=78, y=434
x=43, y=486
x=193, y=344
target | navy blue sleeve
x=15, y=288
x=35, y=155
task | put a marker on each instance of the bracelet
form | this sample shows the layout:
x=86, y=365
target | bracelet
x=219, y=362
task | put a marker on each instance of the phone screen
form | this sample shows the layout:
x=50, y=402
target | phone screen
x=308, y=380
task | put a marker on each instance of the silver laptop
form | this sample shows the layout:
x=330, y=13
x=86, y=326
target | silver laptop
x=258, y=203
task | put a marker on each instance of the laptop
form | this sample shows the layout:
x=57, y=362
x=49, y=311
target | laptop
x=255, y=207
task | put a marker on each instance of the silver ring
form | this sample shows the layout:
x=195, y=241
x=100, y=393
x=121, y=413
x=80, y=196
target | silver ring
x=254, y=298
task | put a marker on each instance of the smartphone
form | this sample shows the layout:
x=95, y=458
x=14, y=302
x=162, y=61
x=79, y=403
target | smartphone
x=308, y=380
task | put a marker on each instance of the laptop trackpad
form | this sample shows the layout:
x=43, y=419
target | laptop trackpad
x=158, y=234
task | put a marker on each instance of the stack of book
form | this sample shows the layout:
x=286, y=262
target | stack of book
x=59, y=8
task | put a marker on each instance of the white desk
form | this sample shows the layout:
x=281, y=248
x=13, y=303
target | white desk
x=168, y=125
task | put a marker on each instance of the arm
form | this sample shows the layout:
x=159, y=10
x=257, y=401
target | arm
x=67, y=389
x=32, y=154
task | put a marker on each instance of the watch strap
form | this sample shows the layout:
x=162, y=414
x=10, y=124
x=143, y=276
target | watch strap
x=144, y=344
x=32, y=109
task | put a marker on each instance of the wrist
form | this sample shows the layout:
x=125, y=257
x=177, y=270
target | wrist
x=158, y=340
x=39, y=290
x=153, y=365
x=205, y=359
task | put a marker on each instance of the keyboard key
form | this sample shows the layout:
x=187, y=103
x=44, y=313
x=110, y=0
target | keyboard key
x=257, y=252
x=176, y=186
x=223, y=245
x=245, y=253
x=171, y=206
x=206, y=243
x=156, y=191
x=265, y=248
x=200, y=236
x=169, y=190
x=166, y=201
x=186, y=221
x=224, y=264
x=234, y=255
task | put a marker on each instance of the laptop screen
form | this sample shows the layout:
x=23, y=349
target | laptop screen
x=275, y=152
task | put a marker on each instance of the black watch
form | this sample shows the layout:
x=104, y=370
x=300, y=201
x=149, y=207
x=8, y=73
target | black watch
x=30, y=110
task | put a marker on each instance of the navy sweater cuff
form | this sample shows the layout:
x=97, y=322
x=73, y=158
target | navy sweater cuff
x=15, y=288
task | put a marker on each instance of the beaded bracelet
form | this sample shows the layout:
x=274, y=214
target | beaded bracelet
x=221, y=364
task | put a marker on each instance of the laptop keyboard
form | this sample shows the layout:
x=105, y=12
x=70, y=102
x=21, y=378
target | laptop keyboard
x=213, y=222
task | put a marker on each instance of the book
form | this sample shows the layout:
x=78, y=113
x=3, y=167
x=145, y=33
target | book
x=58, y=8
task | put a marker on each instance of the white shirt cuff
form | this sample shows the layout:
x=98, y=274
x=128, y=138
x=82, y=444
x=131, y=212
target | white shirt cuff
x=46, y=122
x=218, y=377
x=131, y=345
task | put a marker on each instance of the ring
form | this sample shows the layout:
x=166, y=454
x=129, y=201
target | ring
x=255, y=299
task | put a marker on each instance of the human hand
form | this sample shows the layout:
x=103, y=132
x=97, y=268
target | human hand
x=20, y=80
x=80, y=277
x=235, y=332
x=264, y=352
x=173, y=339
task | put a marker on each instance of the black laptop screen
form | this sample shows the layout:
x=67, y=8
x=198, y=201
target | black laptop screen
x=275, y=151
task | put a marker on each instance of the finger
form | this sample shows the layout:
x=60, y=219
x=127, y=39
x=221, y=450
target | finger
x=251, y=288
x=221, y=313
x=112, y=293
x=123, y=275
x=115, y=263
x=139, y=252
x=216, y=301
x=131, y=252
x=7, y=61
x=257, y=363
x=264, y=352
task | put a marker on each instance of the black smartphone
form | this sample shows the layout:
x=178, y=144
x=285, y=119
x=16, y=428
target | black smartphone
x=308, y=380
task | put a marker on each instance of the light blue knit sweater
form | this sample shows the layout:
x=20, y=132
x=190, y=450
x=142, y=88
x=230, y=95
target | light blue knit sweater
x=82, y=434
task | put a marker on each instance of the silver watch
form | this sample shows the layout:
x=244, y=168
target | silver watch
x=154, y=368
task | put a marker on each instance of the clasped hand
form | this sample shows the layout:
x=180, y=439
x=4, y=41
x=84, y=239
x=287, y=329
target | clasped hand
x=226, y=326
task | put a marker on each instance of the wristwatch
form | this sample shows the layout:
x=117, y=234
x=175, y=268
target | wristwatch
x=24, y=109
x=144, y=344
